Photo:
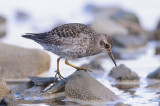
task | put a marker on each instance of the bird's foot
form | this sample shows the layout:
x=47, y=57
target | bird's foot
x=82, y=68
x=60, y=76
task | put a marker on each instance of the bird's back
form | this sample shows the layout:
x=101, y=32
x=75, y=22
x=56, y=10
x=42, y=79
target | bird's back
x=66, y=40
x=66, y=31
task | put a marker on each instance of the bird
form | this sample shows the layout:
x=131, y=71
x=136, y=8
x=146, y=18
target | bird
x=71, y=41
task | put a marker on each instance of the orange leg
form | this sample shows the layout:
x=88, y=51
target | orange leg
x=58, y=72
x=78, y=68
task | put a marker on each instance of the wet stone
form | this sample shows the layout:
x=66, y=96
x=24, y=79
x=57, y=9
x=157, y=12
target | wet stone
x=121, y=104
x=39, y=81
x=122, y=73
x=157, y=50
x=157, y=32
x=2, y=27
x=95, y=66
x=81, y=87
x=155, y=74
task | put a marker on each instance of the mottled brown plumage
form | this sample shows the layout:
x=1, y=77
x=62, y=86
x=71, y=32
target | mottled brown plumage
x=71, y=30
x=73, y=40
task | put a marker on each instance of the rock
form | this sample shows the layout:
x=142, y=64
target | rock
x=17, y=62
x=2, y=26
x=128, y=20
x=154, y=87
x=121, y=104
x=157, y=32
x=157, y=50
x=4, y=90
x=126, y=87
x=81, y=87
x=95, y=66
x=115, y=21
x=39, y=87
x=129, y=41
x=121, y=73
x=39, y=81
x=108, y=26
x=155, y=74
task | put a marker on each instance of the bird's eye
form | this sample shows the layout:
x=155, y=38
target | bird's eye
x=107, y=46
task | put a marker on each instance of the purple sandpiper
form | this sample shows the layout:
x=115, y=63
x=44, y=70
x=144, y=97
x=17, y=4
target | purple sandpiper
x=73, y=40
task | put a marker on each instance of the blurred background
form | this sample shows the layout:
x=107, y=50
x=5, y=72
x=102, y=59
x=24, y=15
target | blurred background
x=133, y=24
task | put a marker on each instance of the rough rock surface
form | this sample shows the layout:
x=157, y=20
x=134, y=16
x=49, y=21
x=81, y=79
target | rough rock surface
x=4, y=90
x=2, y=26
x=121, y=72
x=82, y=87
x=155, y=74
x=17, y=62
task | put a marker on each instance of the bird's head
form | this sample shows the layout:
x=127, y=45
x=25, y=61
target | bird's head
x=106, y=44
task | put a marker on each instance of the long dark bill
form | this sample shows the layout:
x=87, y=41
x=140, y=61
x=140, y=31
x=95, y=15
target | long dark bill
x=112, y=57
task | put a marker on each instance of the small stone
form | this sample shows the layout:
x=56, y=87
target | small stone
x=157, y=32
x=4, y=90
x=157, y=50
x=39, y=81
x=2, y=26
x=130, y=41
x=121, y=73
x=155, y=74
x=95, y=66
x=121, y=104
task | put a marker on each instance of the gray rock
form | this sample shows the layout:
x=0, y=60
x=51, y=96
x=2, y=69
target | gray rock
x=39, y=87
x=108, y=26
x=121, y=73
x=4, y=90
x=22, y=87
x=2, y=26
x=39, y=81
x=81, y=87
x=154, y=87
x=121, y=104
x=157, y=50
x=155, y=74
x=157, y=32
x=95, y=66
x=17, y=62
x=128, y=20
x=114, y=20
x=130, y=41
